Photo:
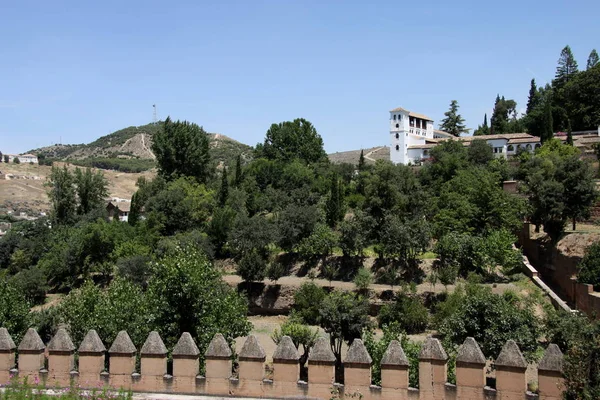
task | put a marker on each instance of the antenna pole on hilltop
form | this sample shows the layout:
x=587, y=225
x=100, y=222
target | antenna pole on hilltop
x=155, y=119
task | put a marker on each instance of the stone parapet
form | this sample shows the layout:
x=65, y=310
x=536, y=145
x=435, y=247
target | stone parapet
x=219, y=381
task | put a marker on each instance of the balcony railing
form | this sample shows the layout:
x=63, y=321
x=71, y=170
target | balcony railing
x=417, y=131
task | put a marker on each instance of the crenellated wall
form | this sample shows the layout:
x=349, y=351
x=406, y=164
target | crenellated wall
x=89, y=371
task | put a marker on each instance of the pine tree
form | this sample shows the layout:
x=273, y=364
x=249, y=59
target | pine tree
x=569, y=133
x=224, y=191
x=454, y=123
x=593, y=59
x=361, y=161
x=534, y=97
x=567, y=66
x=547, y=131
x=238, y=170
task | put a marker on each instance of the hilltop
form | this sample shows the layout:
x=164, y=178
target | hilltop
x=134, y=143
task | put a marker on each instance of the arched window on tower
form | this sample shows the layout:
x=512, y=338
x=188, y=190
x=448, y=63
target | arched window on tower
x=397, y=136
x=397, y=148
x=394, y=117
x=397, y=125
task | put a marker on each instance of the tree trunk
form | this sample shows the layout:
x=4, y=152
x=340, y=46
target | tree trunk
x=574, y=224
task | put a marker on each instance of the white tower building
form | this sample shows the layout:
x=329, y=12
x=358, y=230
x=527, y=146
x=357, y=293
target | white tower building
x=408, y=130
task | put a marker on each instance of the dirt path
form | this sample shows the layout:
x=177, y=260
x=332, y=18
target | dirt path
x=295, y=281
x=368, y=155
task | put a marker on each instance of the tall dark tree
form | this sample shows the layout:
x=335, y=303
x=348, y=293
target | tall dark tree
x=567, y=67
x=483, y=129
x=583, y=99
x=454, y=123
x=62, y=195
x=238, y=170
x=499, y=120
x=293, y=139
x=91, y=189
x=181, y=149
x=224, y=190
x=593, y=59
x=579, y=188
x=361, y=161
x=334, y=206
x=569, y=133
x=534, y=97
x=1, y=156
x=547, y=130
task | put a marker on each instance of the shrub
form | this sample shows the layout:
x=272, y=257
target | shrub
x=377, y=348
x=492, y=319
x=188, y=295
x=320, y=243
x=252, y=266
x=275, y=270
x=32, y=283
x=589, y=267
x=122, y=307
x=14, y=310
x=307, y=302
x=363, y=279
x=408, y=311
x=301, y=335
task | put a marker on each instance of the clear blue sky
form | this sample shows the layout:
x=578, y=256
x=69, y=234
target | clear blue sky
x=78, y=70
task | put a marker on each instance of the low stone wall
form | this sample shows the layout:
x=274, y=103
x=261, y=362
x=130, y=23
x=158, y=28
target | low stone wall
x=559, y=271
x=89, y=371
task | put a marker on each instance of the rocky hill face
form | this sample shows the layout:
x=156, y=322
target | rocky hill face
x=135, y=142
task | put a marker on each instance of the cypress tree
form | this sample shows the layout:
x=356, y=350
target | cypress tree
x=134, y=210
x=333, y=204
x=593, y=59
x=238, y=170
x=569, y=133
x=547, y=131
x=361, y=161
x=534, y=97
x=224, y=191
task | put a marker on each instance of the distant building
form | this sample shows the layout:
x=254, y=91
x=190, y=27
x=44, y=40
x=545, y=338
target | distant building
x=119, y=209
x=23, y=158
x=413, y=137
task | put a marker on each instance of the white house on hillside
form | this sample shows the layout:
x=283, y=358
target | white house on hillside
x=409, y=131
x=413, y=137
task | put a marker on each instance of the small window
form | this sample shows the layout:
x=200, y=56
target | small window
x=397, y=125
x=397, y=148
x=397, y=136
x=425, y=152
x=394, y=117
x=510, y=147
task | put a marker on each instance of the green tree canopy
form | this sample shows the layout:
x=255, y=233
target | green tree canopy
x=293, y=139
x=181, y=149
x=453, y=123
x=91, y=189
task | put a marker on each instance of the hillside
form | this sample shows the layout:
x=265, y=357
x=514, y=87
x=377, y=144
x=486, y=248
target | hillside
x=351, y=157
x=134, y=143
